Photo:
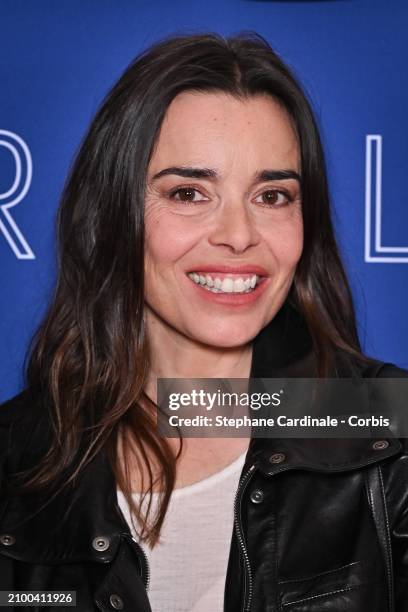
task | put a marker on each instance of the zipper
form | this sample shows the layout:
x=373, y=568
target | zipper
x=144, y=564
x=143, y=557
x=248, y=580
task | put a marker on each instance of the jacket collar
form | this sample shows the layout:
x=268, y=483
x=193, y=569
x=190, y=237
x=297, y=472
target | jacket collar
x=81, y=523
x=90, y=524
x=284, y=349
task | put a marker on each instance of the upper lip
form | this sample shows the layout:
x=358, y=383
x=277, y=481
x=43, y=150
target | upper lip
x=225, y=269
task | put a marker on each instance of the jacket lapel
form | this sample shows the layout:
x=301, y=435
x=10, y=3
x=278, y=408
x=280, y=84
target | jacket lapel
x=284, y=349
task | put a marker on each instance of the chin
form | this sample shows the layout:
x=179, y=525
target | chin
x=227, y=335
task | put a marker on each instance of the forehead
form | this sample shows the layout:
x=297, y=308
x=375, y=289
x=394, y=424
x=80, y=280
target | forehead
x=201, y=126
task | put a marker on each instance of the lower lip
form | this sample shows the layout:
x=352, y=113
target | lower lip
x=232, y=299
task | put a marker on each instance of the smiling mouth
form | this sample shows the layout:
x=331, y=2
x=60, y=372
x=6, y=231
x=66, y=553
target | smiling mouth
x=226, y=283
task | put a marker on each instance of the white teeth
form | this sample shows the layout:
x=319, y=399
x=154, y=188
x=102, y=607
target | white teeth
x=225, y=285
x=239, y=285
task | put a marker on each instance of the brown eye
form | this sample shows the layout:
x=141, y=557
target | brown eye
x=273, y=197
x=186, y=194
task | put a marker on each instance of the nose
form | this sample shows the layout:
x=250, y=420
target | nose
x=234, y=228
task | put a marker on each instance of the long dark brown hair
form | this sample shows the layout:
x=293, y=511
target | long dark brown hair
x=90, y=356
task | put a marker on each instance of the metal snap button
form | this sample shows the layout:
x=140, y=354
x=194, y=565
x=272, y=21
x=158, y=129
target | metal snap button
x=257, y=496
x=7, y=540
x=101, y=543
x=380, y=444
x=116, y=601
x=277, y=458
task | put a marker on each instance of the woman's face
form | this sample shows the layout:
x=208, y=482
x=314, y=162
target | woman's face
x=223, y=217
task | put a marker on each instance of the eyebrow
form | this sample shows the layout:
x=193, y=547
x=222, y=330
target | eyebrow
x=199, y=173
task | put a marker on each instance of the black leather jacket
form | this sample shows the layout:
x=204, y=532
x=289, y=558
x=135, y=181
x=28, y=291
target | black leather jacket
x=320, y=525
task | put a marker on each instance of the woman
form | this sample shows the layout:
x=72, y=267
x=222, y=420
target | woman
x=196, y=242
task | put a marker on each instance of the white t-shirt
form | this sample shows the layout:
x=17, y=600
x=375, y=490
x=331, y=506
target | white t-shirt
x=188, y=566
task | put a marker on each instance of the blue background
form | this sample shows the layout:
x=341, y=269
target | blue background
x=58, y=59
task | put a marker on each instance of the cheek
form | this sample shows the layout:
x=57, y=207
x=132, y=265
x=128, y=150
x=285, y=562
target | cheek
x=295, y=246
x=285, y=243
x=167, y=239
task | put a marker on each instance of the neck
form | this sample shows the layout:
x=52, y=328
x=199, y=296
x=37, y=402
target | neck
x=174, y=355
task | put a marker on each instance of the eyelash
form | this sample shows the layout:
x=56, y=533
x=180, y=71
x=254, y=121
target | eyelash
x=171, y=195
